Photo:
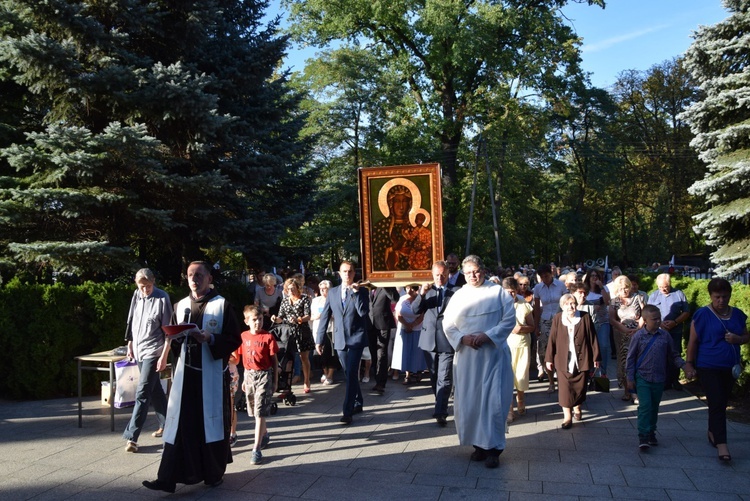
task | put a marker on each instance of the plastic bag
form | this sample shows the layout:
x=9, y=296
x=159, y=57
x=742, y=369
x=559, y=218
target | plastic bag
x=126, y=375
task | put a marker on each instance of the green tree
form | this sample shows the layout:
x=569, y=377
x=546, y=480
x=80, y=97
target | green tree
x=165, y=136
x=451, y=55
x=718, y=60
x=584, y=153
x=659, y=164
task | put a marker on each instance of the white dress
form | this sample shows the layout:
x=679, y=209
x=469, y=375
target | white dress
x=407, y=356
x=482, y=378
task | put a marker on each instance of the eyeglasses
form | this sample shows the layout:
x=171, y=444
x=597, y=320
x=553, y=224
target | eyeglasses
x=472, y=272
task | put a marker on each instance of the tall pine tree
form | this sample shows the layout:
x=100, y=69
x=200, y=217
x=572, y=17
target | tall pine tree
x=163, y=134
x=719, y=61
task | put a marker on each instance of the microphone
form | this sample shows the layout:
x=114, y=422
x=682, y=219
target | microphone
x=187, y=316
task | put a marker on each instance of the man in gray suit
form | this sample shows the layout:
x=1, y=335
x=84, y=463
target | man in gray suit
x=382, y=320
x=349, y=305
x=432, y=300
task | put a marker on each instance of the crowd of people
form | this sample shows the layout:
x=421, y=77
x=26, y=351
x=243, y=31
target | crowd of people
x=479, y=336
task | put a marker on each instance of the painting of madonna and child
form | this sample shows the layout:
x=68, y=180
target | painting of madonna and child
x=401, y=218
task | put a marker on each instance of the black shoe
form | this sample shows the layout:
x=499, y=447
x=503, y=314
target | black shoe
x=492, y=462
x=652, y=440
x=378, y=389
x=478, y=455
x=357, y=409
x=158, y=485
x=345, y=420
x=643, y=443
x=214, y=484
x=677, y=385
x=441, y=420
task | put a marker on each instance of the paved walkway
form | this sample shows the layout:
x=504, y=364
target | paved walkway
x=393, y=451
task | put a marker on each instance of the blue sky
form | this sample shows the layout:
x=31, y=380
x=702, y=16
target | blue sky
x=636, y=34
x=627, y=34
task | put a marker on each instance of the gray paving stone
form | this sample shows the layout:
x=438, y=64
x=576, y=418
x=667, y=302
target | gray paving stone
x=374, y=489
x=575, y=489
x=624, y=492
x=459, y=493
x=661, y=478
x=607, y=474
x=394, y=450
x=724, y=480
x=552, y=472
x=700, y=496
x=533, y=487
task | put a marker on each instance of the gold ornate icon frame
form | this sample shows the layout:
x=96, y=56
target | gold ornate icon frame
x=401, y=221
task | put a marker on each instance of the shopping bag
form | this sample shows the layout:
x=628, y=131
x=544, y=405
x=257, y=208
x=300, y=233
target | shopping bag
x=599, y=383
x=126, y=377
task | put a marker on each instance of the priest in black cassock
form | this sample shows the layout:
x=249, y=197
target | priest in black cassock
x=196, y=434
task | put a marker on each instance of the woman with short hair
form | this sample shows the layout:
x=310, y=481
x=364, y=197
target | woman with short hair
x=713, y=351
x=572, y=351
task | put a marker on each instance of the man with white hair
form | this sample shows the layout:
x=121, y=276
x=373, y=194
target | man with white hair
x=675, y=311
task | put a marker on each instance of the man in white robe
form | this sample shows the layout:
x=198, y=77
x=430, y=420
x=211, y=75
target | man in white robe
x=477, y=322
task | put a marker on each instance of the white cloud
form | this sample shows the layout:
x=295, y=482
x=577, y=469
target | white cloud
x=609, y=42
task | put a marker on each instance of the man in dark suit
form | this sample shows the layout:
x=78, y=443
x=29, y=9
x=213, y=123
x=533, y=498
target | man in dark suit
x=382, y=321
x=455, y=277
x=349, y=305
x=432, y=300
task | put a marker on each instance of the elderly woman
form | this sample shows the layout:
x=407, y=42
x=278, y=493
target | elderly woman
x=295, y=312
x=268, y=298
x=573, y=351
x=328, y=359
x=519, y=342
x=150, y=309
x=625, y=318
x=477, y=322
x=713, y=350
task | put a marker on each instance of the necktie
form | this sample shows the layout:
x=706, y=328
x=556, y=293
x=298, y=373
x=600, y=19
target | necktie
x=440, y=296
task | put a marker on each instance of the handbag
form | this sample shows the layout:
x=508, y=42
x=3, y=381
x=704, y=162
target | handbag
x=126, y=375
x=599, y=383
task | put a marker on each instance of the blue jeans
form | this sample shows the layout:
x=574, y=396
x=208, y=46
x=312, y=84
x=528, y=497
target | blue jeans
x=149, y=387
x=602, y=337
x=649, y=398
x=350, y=358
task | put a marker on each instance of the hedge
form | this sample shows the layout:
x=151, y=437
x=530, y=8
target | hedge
x=44, y=327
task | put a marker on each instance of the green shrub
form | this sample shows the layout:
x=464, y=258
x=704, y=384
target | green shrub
x=44, y=327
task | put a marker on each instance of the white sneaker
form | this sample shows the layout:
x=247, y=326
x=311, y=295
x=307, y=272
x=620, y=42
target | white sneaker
x=327, y=382
x=365, y=379
x=131, y=446
x=323, y=378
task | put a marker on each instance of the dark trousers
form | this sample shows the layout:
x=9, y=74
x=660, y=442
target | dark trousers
x=149, y=390
x=717, y=385
x=350, y=358
x=673, y=372
x=379, y=340
x=441, y=378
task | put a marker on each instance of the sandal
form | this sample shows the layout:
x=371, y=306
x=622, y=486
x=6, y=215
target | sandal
x=578, y=416
x=551, y=389
x=521, y=410
x=724, y=457
x=158, y=433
